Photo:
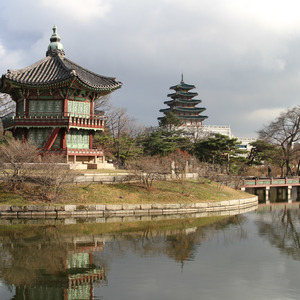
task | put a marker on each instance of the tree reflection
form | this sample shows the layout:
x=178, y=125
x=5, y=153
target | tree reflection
x=282, y=229
x=179, y=244
x=52, y=262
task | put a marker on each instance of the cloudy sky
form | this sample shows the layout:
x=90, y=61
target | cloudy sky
x=243, y=56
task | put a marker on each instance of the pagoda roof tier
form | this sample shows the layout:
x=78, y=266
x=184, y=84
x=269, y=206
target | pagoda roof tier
x=195, y=110
x=182, y=86
x=165, y=110
x=182, y=94
x=190, y=101
x=189, y=109
x=196, y=118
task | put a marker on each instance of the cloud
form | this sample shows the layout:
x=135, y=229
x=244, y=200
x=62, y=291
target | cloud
x=12, y=59
x=264, y=114
x=242, y=55
x=83, y=11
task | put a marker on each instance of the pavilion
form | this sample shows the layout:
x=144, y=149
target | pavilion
x=55, y=105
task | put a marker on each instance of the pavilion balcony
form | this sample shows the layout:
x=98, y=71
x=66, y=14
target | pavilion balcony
x=57, y=119
x=74, y=151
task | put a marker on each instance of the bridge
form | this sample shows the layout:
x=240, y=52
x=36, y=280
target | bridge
x=267, y=183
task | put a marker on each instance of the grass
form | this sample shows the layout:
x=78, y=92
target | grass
x=130, y=193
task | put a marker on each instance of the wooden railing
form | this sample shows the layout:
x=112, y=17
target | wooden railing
x=263, y=182
x=60, y=119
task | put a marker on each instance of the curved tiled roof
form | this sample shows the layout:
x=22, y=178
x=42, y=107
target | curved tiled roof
x=55, y=69
x=182, y=94
x=189, y=109
x=190, y=101
x=182, y=86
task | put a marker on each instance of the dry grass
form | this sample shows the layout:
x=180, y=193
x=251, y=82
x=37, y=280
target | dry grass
x=162, y=192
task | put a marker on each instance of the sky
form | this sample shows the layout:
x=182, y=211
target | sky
x=242, y=55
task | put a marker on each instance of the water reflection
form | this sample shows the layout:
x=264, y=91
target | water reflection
x=47, y=265
x=47, y=262
x=253, y=255
x=281, y=227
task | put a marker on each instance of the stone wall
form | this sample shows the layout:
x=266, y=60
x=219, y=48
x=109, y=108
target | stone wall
x=229, y=207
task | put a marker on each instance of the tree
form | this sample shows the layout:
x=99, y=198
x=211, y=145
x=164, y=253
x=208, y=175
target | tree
x=264, y=153
x=169, y=121
x=121, y=136
x=167, y=138
x=149, y=168
x=261, y=152
x=218, y=150
x=50, y=176
x=7, y=105
x=14, y=159
x=284, y=131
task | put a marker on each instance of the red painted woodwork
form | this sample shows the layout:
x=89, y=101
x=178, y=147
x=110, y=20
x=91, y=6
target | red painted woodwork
x=51, y=138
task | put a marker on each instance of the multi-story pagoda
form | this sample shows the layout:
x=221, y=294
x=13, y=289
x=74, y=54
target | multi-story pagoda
x=55, y=104
x=184, y=106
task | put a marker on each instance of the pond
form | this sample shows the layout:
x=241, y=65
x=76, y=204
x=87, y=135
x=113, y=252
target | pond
x=251, y=256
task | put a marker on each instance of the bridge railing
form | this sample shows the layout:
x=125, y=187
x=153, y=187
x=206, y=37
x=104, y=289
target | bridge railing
x=273, y=181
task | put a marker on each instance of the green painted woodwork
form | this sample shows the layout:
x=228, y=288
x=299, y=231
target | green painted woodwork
x=78, y=139
x=45, y=107
x=38, y=136
x=249, y=182
x=78, y=260
x=81, y=291
x=278, y=181
x=293, y=181
x=79, y=108
x=20, y=107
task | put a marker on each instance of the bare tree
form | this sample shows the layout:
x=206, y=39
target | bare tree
x=14, y=159
x=102, y=104
x=21, y=163
x=7, y=105
x=51, y=175
x=149, y=168
x=285, y=132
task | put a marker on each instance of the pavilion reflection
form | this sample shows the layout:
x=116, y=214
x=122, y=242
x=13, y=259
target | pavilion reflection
x=51, y=266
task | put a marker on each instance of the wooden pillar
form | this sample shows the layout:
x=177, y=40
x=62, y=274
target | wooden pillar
x=289, y=196
x=91, y=108
x=63, y=139
x=26, y=112
x=65, y=108
x=91, y=140
x=267, y=195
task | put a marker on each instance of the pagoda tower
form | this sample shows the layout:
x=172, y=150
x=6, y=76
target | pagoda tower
x=184, y=106
x=55, y=105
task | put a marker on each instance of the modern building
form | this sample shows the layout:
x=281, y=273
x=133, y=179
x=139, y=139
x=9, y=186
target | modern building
x=183, y=105
x=55, y=105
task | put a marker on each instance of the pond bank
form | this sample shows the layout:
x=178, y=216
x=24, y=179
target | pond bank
x=229, y=207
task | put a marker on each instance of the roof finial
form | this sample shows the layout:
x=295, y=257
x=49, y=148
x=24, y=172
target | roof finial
x=181, y=77
x=55, y=47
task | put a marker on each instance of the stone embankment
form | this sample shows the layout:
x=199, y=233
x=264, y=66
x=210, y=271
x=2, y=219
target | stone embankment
x=106, y=178
x=103, y=212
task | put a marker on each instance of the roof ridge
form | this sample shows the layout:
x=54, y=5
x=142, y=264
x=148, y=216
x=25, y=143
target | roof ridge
x=32, y=66
x=91, y=72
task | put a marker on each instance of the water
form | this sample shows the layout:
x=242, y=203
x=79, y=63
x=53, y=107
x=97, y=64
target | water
x=250, y=256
